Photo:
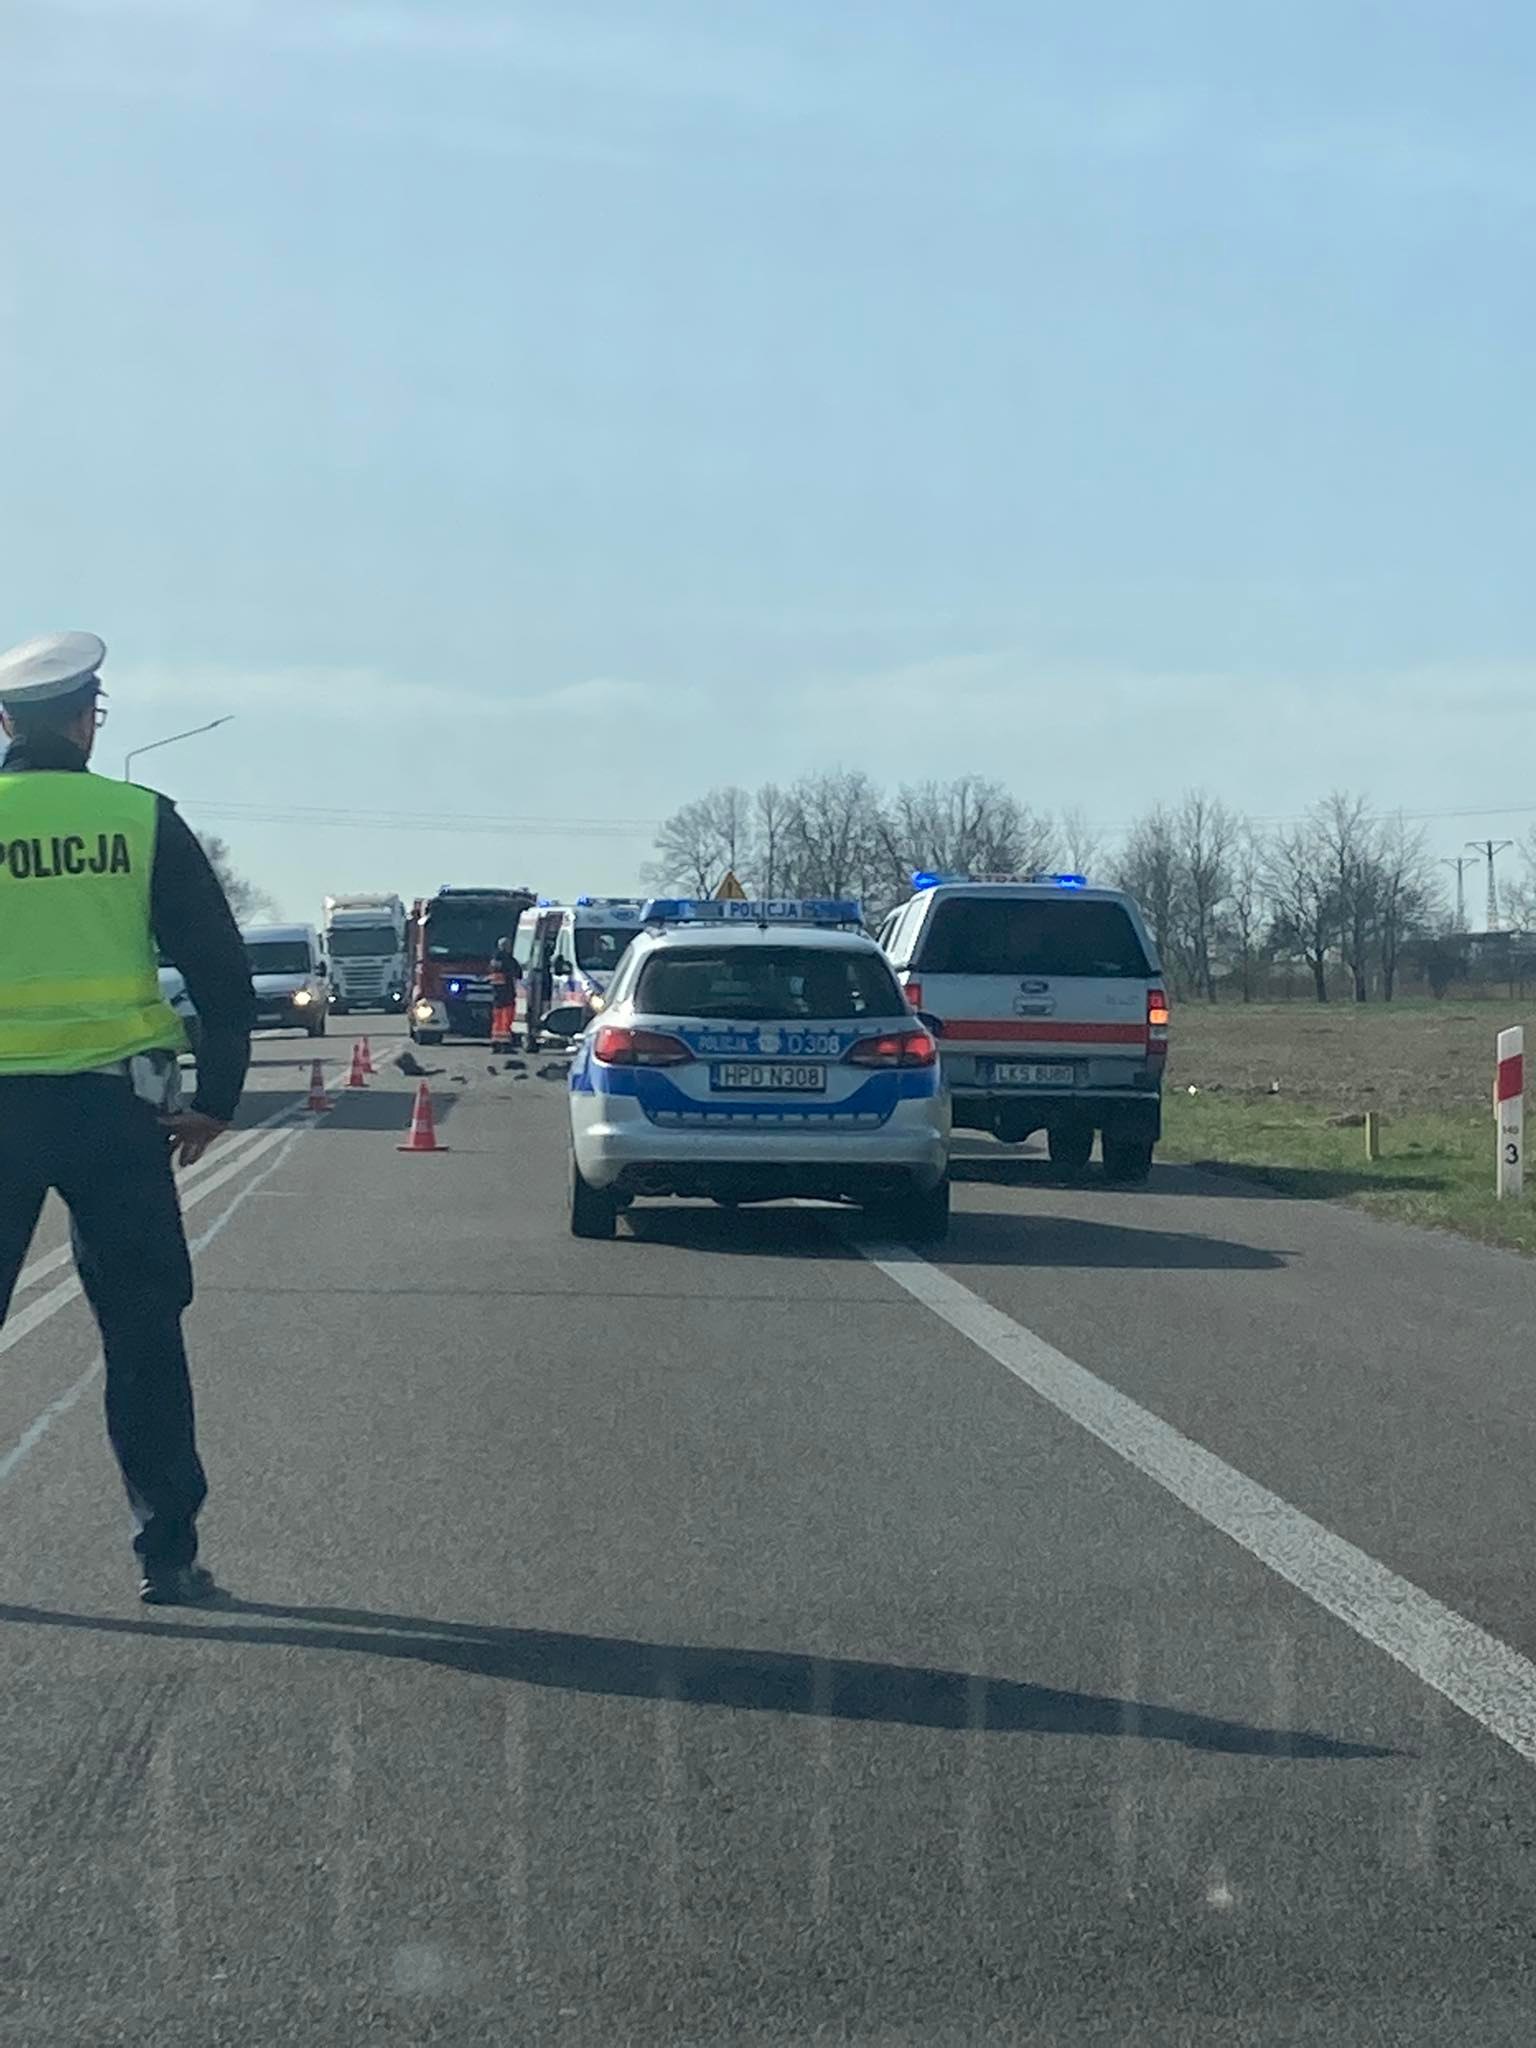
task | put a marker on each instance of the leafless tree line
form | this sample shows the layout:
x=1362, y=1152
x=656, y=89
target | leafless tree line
x=1343, y=896
x=837, y=833
x=1343, y=893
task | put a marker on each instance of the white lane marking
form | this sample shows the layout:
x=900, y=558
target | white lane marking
x=39, y=1427
x=50, y=1262
x=59, y=1297
x=1476, y=1672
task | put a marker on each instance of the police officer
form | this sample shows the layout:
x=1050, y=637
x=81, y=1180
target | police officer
x=93, y=873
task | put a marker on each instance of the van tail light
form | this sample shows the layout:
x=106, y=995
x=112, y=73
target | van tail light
x=912, y=988
x=895, y=1049
x=1157, y=1024
x=618, y=1046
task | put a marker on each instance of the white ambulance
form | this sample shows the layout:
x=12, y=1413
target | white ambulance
x=567, y=953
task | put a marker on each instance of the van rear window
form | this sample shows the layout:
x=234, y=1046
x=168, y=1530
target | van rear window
x=1045, y=936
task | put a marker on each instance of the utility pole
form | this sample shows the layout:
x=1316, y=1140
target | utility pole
x=1461, y=862
x=1490, y=849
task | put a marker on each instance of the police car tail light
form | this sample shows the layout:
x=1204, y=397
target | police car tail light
x=895, y=1049
x=1157, y=1021
x=616, y=1045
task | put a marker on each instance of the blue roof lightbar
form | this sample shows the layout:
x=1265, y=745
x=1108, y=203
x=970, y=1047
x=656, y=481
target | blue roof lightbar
x=813, y=910
x=924, y=880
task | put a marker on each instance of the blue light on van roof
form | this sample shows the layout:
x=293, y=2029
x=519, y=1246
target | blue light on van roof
x=1070, y=881
x=922, y=880
x=582, y=902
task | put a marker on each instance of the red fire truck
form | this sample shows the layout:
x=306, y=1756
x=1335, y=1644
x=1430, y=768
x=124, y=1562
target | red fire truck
x=452, y=938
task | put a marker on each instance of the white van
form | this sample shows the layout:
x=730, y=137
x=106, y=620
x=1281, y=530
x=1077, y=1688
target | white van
x=1054, y=1012
x=289, y=976
x=567, y=953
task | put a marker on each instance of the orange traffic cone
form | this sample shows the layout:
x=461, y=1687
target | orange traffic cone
x=423, y=1136
x=358, y=1078
x=319, y=1102
x=368, y=1067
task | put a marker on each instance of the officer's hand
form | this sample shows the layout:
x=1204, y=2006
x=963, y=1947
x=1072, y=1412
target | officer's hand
x=191, y=1134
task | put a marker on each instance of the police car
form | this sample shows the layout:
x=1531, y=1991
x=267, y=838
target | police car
x=751, y=1051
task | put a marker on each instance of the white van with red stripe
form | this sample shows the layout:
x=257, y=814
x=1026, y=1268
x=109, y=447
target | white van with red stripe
x=1054, y=1011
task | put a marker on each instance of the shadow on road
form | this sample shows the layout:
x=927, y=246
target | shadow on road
x=763, y=1681
x=767, y=1232
x=975, y=1239
x=979, y=1238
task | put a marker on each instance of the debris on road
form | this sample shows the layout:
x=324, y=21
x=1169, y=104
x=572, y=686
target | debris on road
x=408, y=1063
x=552, y=1070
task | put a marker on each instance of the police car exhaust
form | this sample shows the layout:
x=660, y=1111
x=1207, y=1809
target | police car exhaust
x=754, y=1052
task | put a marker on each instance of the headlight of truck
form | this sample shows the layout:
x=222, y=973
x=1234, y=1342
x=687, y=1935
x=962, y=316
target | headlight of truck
x=301, y=996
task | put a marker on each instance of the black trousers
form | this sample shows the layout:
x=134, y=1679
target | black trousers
x=90, y=1137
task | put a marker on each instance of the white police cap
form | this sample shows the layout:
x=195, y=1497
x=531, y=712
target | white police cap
x=52, y=665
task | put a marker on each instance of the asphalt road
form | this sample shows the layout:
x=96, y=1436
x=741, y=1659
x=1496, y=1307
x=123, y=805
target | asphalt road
x=1114, y=1631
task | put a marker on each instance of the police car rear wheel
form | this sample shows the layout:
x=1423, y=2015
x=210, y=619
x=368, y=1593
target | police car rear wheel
x=917, y=1218
x=593, y=1213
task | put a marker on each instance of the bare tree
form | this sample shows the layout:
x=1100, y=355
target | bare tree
x=1299, y=874
x=1148, y=869
x=1344, y=827
x=248, y=901
x=1245, y=906
x=770, y=821
x=1204, y=834
x=970, y=826
x=1408, y=897
x=690, y=853
x=730, y=813
x=1082, y=845
x=835, y=837
x=1519, y=898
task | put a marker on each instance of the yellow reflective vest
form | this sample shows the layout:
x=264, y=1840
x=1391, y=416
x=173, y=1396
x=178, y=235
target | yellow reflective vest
x=79, y=986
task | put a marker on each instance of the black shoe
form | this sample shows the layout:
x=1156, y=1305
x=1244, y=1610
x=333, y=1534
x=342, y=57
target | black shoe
x=179, y=1585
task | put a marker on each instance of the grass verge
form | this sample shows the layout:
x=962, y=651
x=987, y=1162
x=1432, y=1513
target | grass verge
x=1436, y=1167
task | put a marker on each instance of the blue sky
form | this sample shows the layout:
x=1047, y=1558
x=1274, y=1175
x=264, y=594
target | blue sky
x=554, y=410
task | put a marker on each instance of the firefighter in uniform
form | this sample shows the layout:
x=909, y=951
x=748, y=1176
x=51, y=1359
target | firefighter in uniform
x=94, y=876
x=504, y=976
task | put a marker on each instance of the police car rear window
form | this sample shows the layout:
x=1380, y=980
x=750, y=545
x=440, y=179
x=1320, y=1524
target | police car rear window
x=1045, y=936
x=767, y=984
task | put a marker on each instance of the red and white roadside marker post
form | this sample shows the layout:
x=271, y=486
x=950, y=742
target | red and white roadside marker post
x=1509, y=1109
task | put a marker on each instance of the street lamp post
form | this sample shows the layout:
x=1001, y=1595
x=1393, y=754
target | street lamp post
x=170, y=740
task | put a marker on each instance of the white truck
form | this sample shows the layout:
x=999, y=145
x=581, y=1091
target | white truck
x=365, y=944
